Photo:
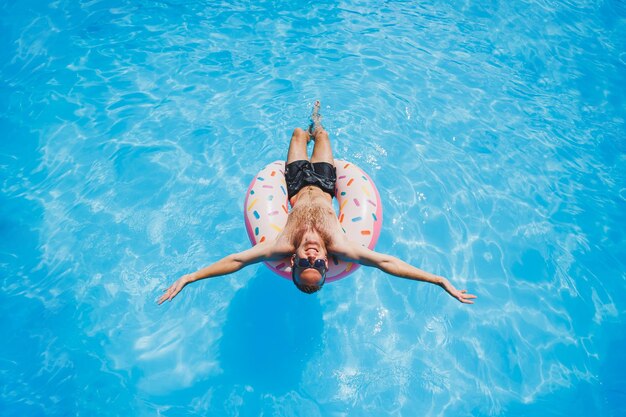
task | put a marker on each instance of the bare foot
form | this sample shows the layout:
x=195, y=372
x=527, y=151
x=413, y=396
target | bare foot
x=316, y=119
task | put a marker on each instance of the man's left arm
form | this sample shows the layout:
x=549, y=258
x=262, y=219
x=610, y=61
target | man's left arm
x=353, y=251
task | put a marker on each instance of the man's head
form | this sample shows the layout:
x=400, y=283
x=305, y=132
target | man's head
x=308, y=274
x=309, y=263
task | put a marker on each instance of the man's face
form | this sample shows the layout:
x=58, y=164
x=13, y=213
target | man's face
x=311, y=247
x=309, y=263
x=310, y=271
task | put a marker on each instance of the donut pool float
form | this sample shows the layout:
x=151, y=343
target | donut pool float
x=266, y=208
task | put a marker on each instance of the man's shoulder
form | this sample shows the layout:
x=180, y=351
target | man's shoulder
x=282, y=246
x=339, y=242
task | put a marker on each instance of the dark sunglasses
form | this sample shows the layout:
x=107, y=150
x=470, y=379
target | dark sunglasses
x=319, y=265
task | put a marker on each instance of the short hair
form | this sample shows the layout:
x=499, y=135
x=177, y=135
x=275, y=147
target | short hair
x=309, y=289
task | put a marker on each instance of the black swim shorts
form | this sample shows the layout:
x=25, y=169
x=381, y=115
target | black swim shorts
x=299, y=174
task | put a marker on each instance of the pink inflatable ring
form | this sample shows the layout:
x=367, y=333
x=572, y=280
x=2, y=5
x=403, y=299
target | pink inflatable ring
x=360, y=212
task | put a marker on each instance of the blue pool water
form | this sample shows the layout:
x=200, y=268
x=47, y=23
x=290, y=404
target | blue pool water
x=493, y=130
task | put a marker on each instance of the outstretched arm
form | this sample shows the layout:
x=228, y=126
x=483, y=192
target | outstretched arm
x=226, y=265
x=390, y=264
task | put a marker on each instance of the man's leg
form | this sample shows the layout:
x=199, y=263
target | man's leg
x=322, y=151
x=297, y=146
x=316, y=118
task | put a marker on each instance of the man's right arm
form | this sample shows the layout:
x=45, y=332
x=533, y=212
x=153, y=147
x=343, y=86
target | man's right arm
x=227, y=265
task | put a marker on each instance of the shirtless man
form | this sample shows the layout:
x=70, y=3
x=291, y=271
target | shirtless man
x=312, y=232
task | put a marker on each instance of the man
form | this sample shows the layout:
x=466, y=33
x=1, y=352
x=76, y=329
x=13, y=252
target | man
x=312, y=231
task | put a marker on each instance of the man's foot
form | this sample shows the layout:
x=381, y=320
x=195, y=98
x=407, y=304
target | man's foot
x=316, y=119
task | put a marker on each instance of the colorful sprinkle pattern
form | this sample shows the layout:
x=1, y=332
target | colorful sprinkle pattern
x=360, y=211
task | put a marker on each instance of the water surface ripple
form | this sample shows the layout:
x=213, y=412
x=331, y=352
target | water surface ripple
x=493, y=130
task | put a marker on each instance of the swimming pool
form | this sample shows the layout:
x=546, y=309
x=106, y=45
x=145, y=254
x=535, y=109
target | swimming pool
x=494, y=132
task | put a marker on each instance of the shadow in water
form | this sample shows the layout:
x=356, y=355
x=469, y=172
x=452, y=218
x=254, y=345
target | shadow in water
x=272, y=330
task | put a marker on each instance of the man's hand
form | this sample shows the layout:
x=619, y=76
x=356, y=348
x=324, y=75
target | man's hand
x=462, y=295
x=175, y=288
